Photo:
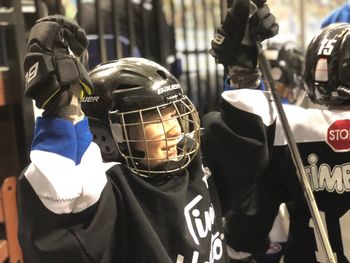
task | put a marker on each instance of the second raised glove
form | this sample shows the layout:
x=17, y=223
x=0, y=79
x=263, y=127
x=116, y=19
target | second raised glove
x=244, y=20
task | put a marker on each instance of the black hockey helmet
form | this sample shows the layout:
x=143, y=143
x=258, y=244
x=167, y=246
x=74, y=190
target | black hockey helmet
x=133, y=89
x=287, y=63
x=327, y=65
x=96, y=107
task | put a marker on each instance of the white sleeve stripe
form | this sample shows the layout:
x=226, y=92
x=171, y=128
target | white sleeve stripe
x=252, y=101
x=64, y=187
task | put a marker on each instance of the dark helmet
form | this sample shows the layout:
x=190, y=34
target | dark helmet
x=133, y=89
x=287, y=63
x=96, y=107
x=327, y=65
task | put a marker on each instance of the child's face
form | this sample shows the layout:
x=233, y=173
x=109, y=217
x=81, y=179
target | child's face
x=158, y=137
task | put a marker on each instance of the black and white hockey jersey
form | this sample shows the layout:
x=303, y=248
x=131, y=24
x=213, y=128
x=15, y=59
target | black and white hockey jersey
x=72, y=210
x=255, y=158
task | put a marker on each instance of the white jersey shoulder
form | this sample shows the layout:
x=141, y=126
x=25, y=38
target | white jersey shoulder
x=308, y=125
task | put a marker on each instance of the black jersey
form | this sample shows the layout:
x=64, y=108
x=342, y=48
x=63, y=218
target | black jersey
x=256, y=160
x=70, y=211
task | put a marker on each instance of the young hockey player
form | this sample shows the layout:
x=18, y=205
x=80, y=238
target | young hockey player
x=287, y=69
x=247, y=135
x=158, y=205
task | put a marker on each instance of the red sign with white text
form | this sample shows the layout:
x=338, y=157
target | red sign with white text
x=338, y=136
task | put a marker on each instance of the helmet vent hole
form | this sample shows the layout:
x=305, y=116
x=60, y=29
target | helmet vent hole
x=103, y=138
x=107, y=149
x=162, y=74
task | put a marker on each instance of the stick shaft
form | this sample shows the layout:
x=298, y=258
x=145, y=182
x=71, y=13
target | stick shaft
x=309, y=196
x=305, y=184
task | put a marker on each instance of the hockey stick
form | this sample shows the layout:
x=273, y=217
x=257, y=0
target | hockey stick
x=309, y=196
x=270, y=85
x=223, y=7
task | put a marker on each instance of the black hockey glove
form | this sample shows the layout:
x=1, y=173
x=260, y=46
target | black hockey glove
x=233, y=43
x=51, y=63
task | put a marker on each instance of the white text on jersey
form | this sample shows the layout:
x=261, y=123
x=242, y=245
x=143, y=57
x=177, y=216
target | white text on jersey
x=324, y=177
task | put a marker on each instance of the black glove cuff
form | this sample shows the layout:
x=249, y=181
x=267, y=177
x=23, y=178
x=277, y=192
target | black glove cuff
x=246, y=56
x=243, y=78
x=43, y=94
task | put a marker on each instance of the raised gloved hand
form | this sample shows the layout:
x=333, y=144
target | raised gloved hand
x=52, y=64
x=234, y=42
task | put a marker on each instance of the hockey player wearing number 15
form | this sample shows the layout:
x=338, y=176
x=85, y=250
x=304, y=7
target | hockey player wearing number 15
x=158, y=204
x=268, y=177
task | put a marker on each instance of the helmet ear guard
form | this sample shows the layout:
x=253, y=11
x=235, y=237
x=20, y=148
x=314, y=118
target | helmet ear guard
x=116, y=128
x=103, y=137
x=119, y=137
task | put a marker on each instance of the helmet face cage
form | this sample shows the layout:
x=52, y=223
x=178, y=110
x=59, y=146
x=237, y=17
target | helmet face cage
x=160, y=140
x=328, y=66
